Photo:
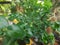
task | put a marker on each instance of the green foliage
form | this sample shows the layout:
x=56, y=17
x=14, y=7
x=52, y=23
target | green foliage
x=31, y=21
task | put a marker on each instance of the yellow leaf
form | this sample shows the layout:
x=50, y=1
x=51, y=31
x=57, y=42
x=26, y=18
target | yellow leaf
x=27, y=44
x=15, y=21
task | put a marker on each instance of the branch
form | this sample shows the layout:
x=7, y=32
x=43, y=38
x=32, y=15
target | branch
x=5, y=2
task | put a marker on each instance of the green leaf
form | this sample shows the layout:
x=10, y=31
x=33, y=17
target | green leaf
x=3, y=22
